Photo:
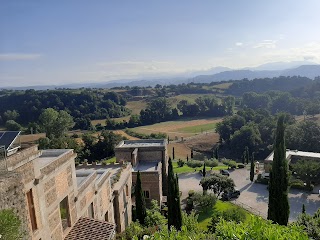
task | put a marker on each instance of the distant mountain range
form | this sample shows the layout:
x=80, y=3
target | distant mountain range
x=269, y=70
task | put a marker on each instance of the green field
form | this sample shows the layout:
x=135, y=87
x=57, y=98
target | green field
x=187, y=169
x=199, y=128
x=205, y=217
x=185, y=127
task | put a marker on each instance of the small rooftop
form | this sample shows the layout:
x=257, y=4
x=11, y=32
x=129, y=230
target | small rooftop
x=146, y=167
x=290, y=153
x=82, y=174
x=88, y=229
x=142, y=143
x=50, y=155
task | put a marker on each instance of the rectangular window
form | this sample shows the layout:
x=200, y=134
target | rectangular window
x=127, y=190
x=146, y=194
x=91, y=211
x=106, y=217
x=32, y=212
x=64, y=213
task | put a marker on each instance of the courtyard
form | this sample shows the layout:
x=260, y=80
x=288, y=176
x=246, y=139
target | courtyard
x=254, y=196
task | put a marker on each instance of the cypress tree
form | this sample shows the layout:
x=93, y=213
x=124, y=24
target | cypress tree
x=252, y=168
x=278, y=207
x=187, y=158
x=204, y=170
x=173, y=198
x=244, y=157
x=191, y=155
x=303, y=209
x=173, y=153
x=141, y=211
x=216, y=153
x=247, y=154
x=164, y=177
x=177, y=206
x=170, y=197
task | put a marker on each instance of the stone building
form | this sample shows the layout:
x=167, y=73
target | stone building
x=54, y=200
x=150, y=157
x=292, y=156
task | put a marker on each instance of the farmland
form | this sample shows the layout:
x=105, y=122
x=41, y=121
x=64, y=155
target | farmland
x=181, y=128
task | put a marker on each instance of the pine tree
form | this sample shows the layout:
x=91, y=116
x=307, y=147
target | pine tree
x=252, y=168
x=141, y=211
x=303, y=209
x=204, y=170
x=278, y=207
x=173, y=153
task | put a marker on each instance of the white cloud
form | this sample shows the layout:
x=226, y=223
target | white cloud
x=239, y=44
x=266, y=44
x=19, y=56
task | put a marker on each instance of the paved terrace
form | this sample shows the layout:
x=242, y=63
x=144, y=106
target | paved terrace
x=146, y=167
x=142, y=143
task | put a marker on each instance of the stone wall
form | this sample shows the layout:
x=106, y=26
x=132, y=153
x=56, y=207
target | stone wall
x=152, y=182
x=150, y=155
x=12, y=196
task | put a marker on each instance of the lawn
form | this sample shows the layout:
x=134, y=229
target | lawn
x=199, y=128
x=205, y=216
x=186, y=169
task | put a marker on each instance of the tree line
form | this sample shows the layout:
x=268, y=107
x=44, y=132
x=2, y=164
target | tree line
x=25, y=107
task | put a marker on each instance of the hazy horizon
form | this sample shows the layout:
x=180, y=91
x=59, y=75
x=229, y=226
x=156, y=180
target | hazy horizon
x=54, y=43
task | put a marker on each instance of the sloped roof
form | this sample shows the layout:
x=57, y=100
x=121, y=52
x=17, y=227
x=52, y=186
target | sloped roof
x=89, y=229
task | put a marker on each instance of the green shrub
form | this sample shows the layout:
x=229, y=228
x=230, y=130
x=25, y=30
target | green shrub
x=297, y=184
x=194, y=163
x=191, y=193
x=211, y=162
x=229, y=163
x=204, y=202
x=241, y=165
x=9, y=225
x=180, y=163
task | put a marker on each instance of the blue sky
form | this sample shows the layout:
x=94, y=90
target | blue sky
x=57, y=42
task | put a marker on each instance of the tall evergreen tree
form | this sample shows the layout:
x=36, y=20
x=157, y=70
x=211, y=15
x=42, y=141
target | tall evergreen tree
x=141, y=211
x=173, y=198
x=178, y=219
x=191, y=155
x=204, y=170
x=164, y=177
x=173, y=157
x=216, y=153
x=247, y=154
x=252, y=168
x=243, y=157
x=303, y=209
x=278, y=207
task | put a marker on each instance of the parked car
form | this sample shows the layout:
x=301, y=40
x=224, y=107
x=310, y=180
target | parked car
x=225, y=172
x=230, y=194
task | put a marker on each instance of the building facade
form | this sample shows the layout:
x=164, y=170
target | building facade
x=150, y=158
x=53, y=199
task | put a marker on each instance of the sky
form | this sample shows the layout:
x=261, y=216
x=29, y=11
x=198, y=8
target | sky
x=75, y=41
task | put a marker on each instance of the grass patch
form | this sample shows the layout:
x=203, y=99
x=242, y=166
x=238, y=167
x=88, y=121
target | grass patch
x=205, y=216
x=198, y=128
x=187, y=169
x=110, y=160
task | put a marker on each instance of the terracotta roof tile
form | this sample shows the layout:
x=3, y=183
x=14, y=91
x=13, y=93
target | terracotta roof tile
x=89, y=229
